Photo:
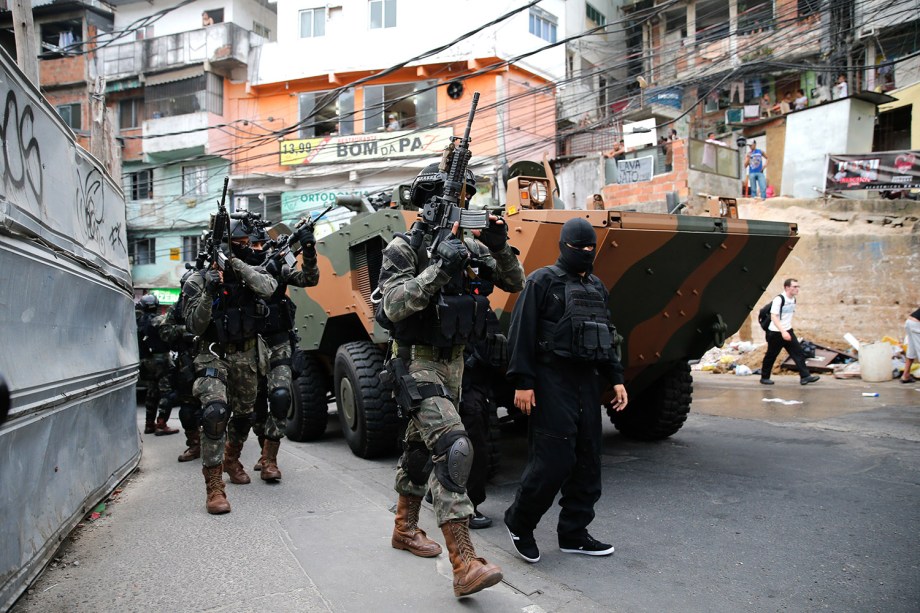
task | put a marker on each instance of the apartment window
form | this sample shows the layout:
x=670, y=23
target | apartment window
x=809, y=7
x=335, y=117
x=312, y=23
x=595, y=17
x=382, y=13
x=195, y=180
x=142, y=185
x=415, y=104
x=190, y=248
x=543, y=25
x=755, y=16
x=130, y=113
x=143, y=251
x=201, y=93
x=71, y=114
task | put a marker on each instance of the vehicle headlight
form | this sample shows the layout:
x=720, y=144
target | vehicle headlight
x=537, y=191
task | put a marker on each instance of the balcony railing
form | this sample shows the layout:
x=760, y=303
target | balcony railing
x=715, y=159
x=224, y=45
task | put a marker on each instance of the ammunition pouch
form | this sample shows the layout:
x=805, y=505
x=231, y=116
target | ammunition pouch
x=408, y=392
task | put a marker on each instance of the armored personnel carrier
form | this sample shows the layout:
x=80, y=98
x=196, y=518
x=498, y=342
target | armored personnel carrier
x=679, y=285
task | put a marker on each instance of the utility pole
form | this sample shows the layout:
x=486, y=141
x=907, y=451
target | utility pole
x=97, y=144
x=24, y=31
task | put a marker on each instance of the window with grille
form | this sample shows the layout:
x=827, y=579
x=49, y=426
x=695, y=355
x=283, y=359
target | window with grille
x=382, y=14
x=143, y=251
x=195, y=180
x=142, y=185
x=201, y=93
x=415, y=104
x=594, y=15
x=312, y=23
x=335, y=117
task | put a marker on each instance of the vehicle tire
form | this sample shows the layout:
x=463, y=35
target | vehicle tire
x=310, y=410
x=660, y=410
x=366, y=411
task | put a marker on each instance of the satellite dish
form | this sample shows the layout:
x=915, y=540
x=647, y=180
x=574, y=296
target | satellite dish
x=455, y=90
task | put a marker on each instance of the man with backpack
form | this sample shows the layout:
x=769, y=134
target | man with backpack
x=781, y=336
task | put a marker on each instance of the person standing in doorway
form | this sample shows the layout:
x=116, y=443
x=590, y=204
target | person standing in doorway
x=781, y=336
x=756, y=163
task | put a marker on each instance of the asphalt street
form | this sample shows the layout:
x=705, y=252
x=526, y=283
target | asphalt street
x=786, y=498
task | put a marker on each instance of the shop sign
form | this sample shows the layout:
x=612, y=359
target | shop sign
x=365, y=147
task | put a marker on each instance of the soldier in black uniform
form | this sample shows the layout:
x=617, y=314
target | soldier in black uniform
x=156, y=365
x=562, y=353
x=180, y=340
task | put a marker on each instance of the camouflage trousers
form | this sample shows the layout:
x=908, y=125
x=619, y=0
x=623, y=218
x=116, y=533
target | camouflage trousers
x=155, y=372
x=264, y=423
x=436, y=417
x=240, y=371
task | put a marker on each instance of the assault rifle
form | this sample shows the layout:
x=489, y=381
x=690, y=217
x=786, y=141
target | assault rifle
x=220, y=224
x=284, y=251
x=440, y=213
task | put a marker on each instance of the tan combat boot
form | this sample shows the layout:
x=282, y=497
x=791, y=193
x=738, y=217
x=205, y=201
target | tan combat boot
x=193, y=440
x=161, y=429
x=232, y=464
x=258, y=465
x=270, y=470
x=214, y=482
x=406, y=533
x=471, y=574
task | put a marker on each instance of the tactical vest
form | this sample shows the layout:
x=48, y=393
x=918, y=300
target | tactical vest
x=237, y=314
x=280, y=318
x=148, y=336
x=451, y=318
x=583, y=332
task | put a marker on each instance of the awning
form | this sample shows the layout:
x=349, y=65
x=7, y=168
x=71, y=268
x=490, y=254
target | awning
x=189, y=72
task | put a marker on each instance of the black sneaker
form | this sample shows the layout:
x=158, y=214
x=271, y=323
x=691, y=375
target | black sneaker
x=766, y=382
x=479, y=521
x=587, y=545
x=809, y=379
x=525, y=545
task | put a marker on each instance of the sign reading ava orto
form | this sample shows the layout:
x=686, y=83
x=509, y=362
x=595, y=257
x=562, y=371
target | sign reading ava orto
x=636, y=170
x=365, y=147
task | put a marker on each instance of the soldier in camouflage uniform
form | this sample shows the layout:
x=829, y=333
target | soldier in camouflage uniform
x=174, y=332
x=224, y=308
x=274, y=399
x=429, y=330
x=155, y=368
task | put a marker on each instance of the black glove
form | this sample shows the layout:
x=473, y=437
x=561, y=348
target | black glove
x=212, y=282
x=272, y=267
x=304, y=236
x=453, y=255
x=495, y=237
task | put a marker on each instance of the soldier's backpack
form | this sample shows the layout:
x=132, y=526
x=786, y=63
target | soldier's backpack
x=763, y=315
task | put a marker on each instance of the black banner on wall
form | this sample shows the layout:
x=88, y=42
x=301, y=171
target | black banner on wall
x=882, y=170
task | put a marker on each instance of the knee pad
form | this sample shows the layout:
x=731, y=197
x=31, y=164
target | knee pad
x=453, y=459
x=279, y=401
x=214, y=420
x=416, y=461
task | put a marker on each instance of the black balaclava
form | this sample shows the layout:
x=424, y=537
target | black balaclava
x=577, y=232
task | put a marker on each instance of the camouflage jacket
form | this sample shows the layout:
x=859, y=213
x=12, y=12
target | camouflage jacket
x=406, y=291
x=198, y=303
x=307, y=276
x=172, y=328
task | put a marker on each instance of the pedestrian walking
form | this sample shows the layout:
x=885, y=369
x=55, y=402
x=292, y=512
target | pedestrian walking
x=912, y=330
x=780, y=335
x=561, y=345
